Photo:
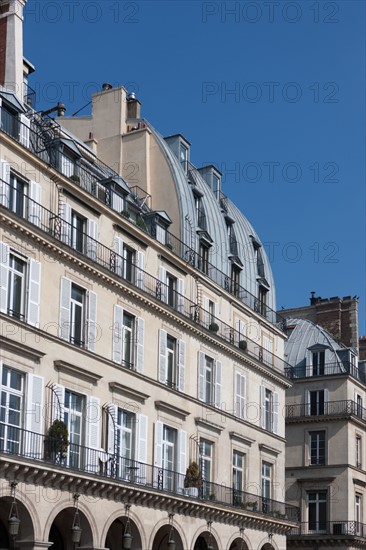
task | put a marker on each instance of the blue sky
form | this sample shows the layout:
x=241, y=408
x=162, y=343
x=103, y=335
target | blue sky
x=271, y=92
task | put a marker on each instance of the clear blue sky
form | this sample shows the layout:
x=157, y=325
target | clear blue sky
x=271, y=92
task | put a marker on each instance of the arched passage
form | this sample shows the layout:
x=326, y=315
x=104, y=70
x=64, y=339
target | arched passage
x=114, y=539
x=205, y=541
x=162, y=537
x=26, y=529
x=60, y=531
x=239, y=544
x=267, y=546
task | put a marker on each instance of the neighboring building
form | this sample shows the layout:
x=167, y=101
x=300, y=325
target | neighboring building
x=141, y=315
x=326, y=437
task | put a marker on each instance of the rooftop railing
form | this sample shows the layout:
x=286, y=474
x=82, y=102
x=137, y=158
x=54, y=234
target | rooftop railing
x=44, y=138
x=98, y=462
x=328, y=408
x=328, y=369
x=337, y=528
x=82, y=243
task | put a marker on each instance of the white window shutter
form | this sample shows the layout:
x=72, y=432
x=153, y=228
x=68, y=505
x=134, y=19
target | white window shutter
x=181, y=364
x=206, y=314
x=141, y=446
x=180, y=295
x=34, y=415
x=140, y=330
x=93, y=422
x=267, y=350
x=240, y=399
x=4, y=183
x=307, y=402
x=158, y=454
x=275, y=411
x=326, y=401
x=65, y=304
x=201, y=376
x=66, y=214
x=4, y=276
x=117, y=334
x=34, y=203
x=218, y=384
x=163, y=286
x=24, y=130
x=140, y=276
x=182, y=452
x=162, y=355
x=112, y=421
x=58, y=401
x=263, y=406
x=92, y=231
x=92, y=332
x=34, y=292
x=118, y=248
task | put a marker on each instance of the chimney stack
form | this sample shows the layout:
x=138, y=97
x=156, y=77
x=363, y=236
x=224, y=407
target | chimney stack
x=11, y=46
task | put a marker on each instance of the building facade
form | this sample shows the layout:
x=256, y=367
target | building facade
x=142, y=368
x=326, y=434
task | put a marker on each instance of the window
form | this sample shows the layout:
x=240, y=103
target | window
x=203, y=257
x=18, y=191
x=269, y=402
x=358, y=513
x=206, y=450
x=209, y=383
x=128, y=339
x=160, y=233
x=316, y=402
x=129, y=257
x=317, y=447
x=12, y=395
x=262, y=298
x=266, y=486
x=358, y=451
x=67, y=165
x=235, y=280
x=17, y=275
x=73, y=418
x=183, y=156
x=169, y=456
x=125, y=423
x=318, y=363
x=170, y=289
x=78, y=314
x=238, y=471
x=359, y=405
x=78, y=231
x=216, y=184
x=317, y=511
x=171, y=360
x=9, y=121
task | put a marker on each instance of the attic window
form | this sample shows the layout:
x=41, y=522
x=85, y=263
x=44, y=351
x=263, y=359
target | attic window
x=183, y=156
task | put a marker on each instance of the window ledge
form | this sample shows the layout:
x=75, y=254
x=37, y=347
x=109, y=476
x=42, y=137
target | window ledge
x=269, y=450
x=21, y=349
x=209, y=425
x=167, y=407
x=241, y=438
x=78, y=372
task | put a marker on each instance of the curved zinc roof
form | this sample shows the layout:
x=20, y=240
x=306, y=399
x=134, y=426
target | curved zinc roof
x=217, y=227
x=304, y=335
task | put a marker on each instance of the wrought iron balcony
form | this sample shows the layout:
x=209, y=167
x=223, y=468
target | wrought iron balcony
x=42, y=138
x=337, y=528
x=50, y=451
x=329, y=369
x=329, y=408
x=55, y=227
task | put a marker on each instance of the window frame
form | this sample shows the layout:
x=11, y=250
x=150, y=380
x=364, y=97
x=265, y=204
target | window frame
x=319, y=446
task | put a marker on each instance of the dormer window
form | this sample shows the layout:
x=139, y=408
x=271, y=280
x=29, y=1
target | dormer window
x=318, y=362
x=183, y=156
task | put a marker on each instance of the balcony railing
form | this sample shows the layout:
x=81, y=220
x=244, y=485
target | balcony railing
x=83, y=244
x=329, y=369
x=50, y=451
x=43, y=139
x=334, y=528
x=329, y=408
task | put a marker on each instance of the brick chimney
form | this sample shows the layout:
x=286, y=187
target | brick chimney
x=11, y=45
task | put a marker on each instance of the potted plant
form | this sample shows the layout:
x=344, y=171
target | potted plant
x=243, y=344
x=140, y=223
x=251, y=505
x=214, y=327
x=125, y=214
x=57, y=441
x=75, y=178
x=193, y=480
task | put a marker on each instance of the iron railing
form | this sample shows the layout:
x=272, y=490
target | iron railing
x=329, y=369
x=43, y=138
x=328, y=408
x=334, y=528
x=52, y=451
x=56, y=227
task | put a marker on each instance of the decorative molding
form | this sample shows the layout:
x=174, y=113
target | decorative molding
x=207, y=424
x=20, y=349
x=171, y=409
x=130, y=393
x=268, y=449
x=241, y=438
x=78, y=372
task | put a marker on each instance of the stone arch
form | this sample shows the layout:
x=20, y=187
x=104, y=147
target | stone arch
x=204, y=539
x=26, y=529
x=240, y=543
x=116, y=531
x=58, y=529
x=161, y=537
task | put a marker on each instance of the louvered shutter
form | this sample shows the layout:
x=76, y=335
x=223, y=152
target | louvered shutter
x=141, y=439
x=263, y=406
x=201, y=376
x=275, y=412
x=34, y=292
x=112, y=421
x=92, y=332
x=163, y=285
x=4, y=183
x=34, y=203
x=218, y=384
x=206, y=314
x=240, y=401
x=118, y=248
x=140, y=329
x=93, y=434
x=182, y=466
x=162, y=356
x=24, y=127
x=117, y=334
x=34, y=416
x=4, y=276
x=65, y=305
x=66, y=214
x=92, y=231
x=181, y=364
x=140, y=281
x=158, y=450
x=180, y=295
